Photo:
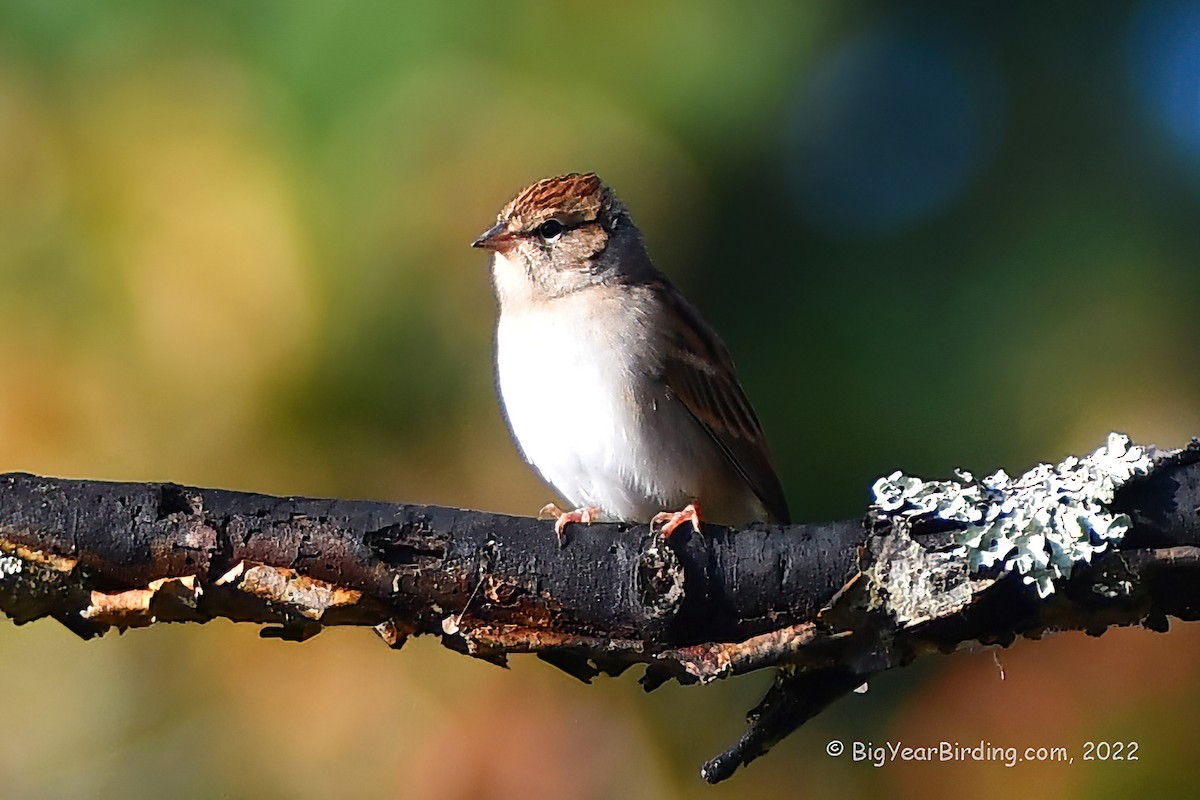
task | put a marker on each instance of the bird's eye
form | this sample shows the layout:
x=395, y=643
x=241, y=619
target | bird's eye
x=550, y=230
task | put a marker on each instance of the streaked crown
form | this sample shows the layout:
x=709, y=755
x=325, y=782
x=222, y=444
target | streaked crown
x=571, y=199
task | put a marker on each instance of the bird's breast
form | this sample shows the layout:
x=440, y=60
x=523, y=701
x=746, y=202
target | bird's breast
x=572, y=391
x=583, y=395
x=559, y=371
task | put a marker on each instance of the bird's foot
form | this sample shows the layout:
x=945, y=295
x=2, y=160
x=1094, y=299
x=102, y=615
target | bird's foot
x=562, y=518
x=667, y=521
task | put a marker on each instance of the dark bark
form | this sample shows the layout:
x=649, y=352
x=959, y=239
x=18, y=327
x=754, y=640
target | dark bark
x=96, y=555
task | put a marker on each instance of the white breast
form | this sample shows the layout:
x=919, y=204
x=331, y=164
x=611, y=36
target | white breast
x=577, y=380
x=560, y=377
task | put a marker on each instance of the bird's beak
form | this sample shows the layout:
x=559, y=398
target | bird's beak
x=495, y=238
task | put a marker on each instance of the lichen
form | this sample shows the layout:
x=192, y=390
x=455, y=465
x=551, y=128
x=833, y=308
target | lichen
x=10, y=565
x=1039, y=525
x=916, y=584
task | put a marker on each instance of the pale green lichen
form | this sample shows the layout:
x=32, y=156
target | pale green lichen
x=10, y=565
x=1039, y=525
x=916, y=584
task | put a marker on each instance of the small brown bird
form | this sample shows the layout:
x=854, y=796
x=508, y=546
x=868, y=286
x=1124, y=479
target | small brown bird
x=655, y=422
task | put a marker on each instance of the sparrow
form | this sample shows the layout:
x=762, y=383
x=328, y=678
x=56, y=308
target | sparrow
x=613, y=386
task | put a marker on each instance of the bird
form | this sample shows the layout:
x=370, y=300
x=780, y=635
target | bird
x=613, y=386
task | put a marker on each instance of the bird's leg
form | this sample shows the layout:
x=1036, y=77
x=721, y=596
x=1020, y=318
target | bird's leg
x=667, y=521
x=561, y=518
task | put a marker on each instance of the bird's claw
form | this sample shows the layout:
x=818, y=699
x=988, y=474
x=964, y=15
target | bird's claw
x=563, y=518
x=667, y=521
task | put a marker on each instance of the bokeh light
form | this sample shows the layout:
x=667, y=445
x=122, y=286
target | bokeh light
x=1164, y=64
x=891, y=127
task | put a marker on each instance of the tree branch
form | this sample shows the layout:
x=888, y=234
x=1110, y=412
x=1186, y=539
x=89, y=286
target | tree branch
x=813, y=599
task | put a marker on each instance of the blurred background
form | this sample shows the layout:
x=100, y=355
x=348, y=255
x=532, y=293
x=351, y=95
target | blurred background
x=234, y=252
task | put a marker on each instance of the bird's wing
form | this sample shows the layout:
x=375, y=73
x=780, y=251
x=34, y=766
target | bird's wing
x=699, y=371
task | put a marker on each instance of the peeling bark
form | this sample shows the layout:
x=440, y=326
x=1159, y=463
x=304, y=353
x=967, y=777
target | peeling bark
x=830, y=604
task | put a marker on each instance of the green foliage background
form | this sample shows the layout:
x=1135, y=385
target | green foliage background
x=234, y=252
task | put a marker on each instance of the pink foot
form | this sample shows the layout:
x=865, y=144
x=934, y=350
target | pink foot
x=668, y=521
x=563, y=518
